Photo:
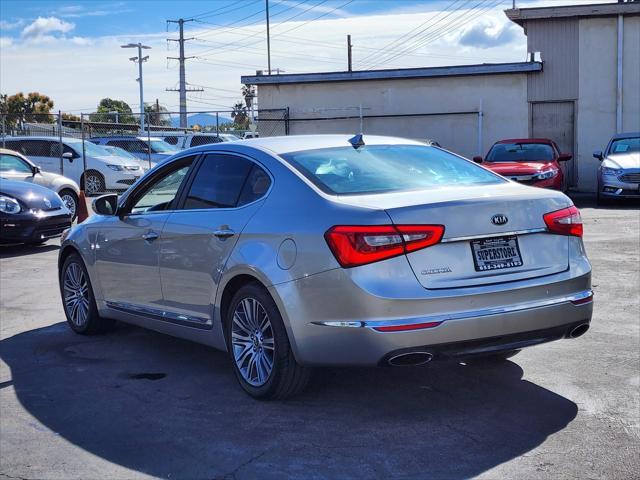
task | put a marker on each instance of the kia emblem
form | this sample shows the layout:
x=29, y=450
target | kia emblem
x=499, y=219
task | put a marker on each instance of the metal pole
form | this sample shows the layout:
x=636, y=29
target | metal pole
x=268, y=41
x=218, y=124
x=480, y=118
x=141, y=91
x=149, y=143
x=361, y=128
x=620, y=66
x=84, y=156
x=349, y=51
x=4, y=133
x=60, y=141
x=183, y=86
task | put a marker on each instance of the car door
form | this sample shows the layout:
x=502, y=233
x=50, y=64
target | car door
x=127, y=245
x=13, y=167
x=223, y=194
x=40, y=153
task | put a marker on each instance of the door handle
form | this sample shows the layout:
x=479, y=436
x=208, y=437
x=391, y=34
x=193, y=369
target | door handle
x=224, y=233
x=150, y=236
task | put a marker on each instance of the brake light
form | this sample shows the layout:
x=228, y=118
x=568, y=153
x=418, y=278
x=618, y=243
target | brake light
x=355, y=245
x=565, y=222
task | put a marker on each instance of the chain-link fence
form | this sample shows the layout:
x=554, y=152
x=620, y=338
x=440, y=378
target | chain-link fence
x=109, y=152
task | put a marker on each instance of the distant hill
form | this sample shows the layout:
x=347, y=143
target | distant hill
x=202, y=119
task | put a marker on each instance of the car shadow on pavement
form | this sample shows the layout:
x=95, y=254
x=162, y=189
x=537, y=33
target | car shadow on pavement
x=10, y=251
x=173, y=409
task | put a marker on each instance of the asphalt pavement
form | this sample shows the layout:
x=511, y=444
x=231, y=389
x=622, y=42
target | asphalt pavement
x=137, y=404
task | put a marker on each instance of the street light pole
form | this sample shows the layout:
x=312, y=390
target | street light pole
x=139, y=59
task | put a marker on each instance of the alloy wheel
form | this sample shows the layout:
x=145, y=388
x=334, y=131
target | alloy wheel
x=76, y=294
x=252, y=340
x=70, y=203
x=93, y=184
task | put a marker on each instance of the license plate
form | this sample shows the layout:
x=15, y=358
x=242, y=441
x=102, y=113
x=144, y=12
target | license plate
x=496, y=253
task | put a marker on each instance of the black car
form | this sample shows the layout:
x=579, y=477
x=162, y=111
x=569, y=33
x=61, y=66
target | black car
x=30, y=213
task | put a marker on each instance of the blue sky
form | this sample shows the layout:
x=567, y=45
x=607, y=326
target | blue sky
x=70, y=49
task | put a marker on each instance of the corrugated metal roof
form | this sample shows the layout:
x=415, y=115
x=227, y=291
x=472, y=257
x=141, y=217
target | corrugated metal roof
x=399, y=73
x=521, y=15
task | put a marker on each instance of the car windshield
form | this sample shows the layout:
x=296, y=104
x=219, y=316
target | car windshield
x=386, y=168
x=160, y=146
x=625, y=145
x=121, y=152
x=91, y=149
x=520, y=152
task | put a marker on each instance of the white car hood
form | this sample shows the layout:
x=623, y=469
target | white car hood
x=623, y=160
x=116, y=160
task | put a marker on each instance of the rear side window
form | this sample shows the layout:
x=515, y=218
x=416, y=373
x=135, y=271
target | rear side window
x=133, y=146
x=220, y=183
x=204, y=140
x=171, y=140
x=386, y=168
x=31, y=148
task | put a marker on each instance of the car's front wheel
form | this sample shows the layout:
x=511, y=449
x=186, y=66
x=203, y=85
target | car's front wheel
x=259, y=346
x=70, y=199
x=78, y=300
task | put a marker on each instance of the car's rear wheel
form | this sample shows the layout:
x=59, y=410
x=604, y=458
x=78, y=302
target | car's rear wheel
x=70, y=199
x=78, y=300
x=93, y=183
x=259, y=346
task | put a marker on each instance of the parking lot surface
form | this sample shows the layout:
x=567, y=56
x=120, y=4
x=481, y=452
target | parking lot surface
x=137, y=404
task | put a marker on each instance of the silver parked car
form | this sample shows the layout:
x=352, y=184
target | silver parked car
x=303, y=251
x=619, y=172
x=14, y=166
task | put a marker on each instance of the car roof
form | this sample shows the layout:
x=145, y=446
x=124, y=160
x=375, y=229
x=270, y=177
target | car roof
x=125, y=137
x=45, y=137
x=295, y=143
x=526, y=140
x=625, y=135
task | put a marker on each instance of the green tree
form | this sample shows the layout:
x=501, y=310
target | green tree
x=34, y=107
x=109, y=110
x=240, y=115
x=158, y=115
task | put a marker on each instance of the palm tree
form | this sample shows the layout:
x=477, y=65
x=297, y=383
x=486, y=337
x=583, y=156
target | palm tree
x=239, y=115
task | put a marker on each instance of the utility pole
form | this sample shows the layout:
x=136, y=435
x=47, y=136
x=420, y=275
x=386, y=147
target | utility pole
x=139, y=59
x=183, y=82
x=268, y=40
x=349, y=51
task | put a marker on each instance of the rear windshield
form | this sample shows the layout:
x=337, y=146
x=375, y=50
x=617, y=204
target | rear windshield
x=160, y=146
x=386, y=168
x=520, y=152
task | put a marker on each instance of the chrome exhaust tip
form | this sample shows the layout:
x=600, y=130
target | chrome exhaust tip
x=410, y=359
x=578, y=331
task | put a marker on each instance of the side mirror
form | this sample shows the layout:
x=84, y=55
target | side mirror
x=105, y=204
x=598, y=154
x=35, y=170
x=68, y=155
x=564, y=157
x=477, y=159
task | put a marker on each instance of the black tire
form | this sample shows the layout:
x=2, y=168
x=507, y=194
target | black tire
x=70, y=199
x=93, y=183
x=493, y=357
x=94, y=324
x=603, y=201
x=287, y=376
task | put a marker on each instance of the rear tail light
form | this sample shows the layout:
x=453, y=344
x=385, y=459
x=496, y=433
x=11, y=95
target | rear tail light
x=565, y=222
x=355, y=245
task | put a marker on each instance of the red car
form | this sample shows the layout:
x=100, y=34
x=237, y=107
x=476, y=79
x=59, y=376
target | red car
x=532, y=161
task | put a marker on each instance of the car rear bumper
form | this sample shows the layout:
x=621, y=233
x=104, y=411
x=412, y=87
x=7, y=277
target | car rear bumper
x=332, y=321
x=28, y=228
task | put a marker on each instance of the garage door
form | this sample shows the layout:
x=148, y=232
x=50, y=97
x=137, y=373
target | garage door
x=554, y=120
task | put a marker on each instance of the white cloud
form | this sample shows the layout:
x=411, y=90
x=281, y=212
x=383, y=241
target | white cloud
x=6, y=42
x=6, y=25
x=490, y=35
x=42, y=26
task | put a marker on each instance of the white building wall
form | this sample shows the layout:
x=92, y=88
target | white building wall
x=596, y=107
x=504, y=103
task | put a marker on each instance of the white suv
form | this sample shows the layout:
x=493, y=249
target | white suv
x=105, y=171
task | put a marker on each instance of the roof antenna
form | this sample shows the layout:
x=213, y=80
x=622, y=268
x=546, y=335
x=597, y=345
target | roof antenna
x=358, y=141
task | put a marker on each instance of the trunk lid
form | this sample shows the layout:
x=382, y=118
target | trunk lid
x=467, y=216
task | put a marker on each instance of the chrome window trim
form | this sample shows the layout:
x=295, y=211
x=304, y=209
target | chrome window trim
x=496, y=234
x=484, y=312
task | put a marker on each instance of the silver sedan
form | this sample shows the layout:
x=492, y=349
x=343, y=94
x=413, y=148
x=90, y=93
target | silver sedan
x=304, y=251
